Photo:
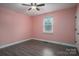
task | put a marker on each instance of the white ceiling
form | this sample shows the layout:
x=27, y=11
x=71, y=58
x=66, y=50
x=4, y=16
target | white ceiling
x=49, y=7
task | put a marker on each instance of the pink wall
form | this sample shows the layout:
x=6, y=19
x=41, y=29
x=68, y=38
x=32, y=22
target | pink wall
x=16, y=26
x=63, y=26
x=13, y=26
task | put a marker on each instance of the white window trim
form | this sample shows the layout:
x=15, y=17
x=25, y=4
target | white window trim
x=44, y=31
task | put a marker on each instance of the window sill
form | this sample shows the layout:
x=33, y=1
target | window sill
x=48, y=32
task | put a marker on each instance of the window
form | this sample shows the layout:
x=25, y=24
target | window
x=48, y=24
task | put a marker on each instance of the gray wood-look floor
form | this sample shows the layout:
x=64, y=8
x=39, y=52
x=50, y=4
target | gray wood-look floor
x=38, y=48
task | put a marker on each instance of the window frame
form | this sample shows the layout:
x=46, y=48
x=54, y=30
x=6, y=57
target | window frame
x=52, y=23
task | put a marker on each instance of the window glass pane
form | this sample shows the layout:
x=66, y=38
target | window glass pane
x=48, y=27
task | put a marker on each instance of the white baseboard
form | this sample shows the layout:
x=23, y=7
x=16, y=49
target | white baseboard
x=10, y=44
x=66, y=44
x=17, y=42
